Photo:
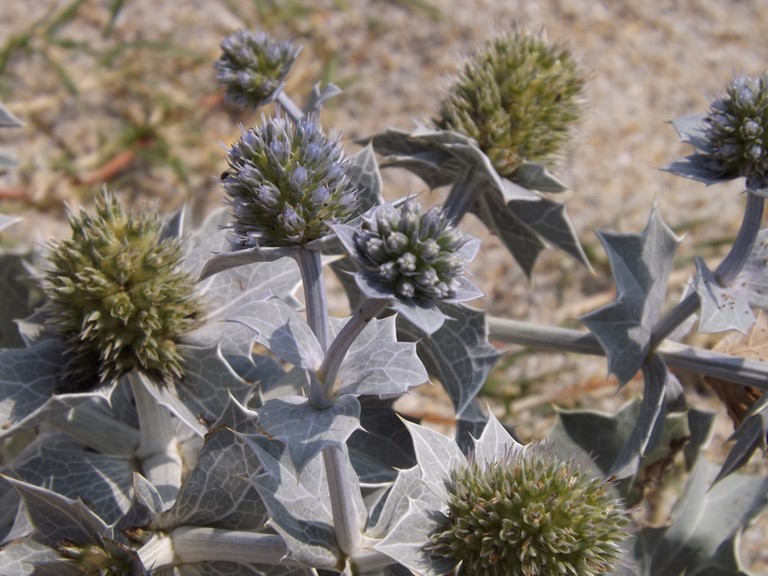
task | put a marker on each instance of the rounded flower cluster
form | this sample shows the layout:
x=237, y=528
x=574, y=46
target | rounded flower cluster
x=409, y=254
x=287, y=183
x=118, y=296
x=531, y=514
x=737, y=130
x=252, y=67
x=518, y=97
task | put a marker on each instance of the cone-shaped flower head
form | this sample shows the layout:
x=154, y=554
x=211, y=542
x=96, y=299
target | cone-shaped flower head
x=117, y=294
x=519, y=97
x=531, y=514
x=736, y=128
x=287, y=183
x=410, y=255
x=252, y=67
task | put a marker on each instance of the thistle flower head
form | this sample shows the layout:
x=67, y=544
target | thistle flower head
x=252, y=67
x=412, y=255
x=736, y=128
x=287, y=183
x=518, y=97
x=531, y=514
x=118, y=296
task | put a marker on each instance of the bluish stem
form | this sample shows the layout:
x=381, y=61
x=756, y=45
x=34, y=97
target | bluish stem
x=346, y=336
x=289, y=106
x=349, y=532
x=725, y=273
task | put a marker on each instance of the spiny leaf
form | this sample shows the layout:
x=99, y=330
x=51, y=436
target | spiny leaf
x=437, y=455
x=364, y=174
x=218, y=493
x=722, y=308
x=641, y=264
x=458, y=354
x=306, y=430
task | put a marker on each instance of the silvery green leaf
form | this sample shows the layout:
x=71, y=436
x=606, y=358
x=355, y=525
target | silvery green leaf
x=458, y=354
x=176, y=225
x=224, y=261
x=692, y=129
x=705, y=518
x=650, y=419
x=749, y=436
x=382, y=445
x=494, y=443
x=282, y=330
x=298, y=506
x=8, y=120
x=57, y=518
x=753, y=277
x=524, y=245
x=7, y=221
x=319, y=96
x=16, y=303
x=27, y=380
x=208, y=377
x=147, y=495
x=407, y=542
x=640, y=264
x=470, y=425
x=218, y=493
x=696, y=167
x=378, y=365
x=722, y=308
x=549, y=221
x=364, y=174
x=21, y=558
x=537, y=177
x=166, y=395
x=54, y=461
x=426, y=316
x=437, y=455
x=306, y=430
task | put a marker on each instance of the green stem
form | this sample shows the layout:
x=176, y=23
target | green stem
x=677, y=356
x=725, y=273
x=158, y=450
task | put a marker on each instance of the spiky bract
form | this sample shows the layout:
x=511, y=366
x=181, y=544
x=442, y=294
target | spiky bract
x=519, y=97
x=287, y=183
x=531, y=514
x=737, y=131
x=117, y=294
x=410, y=254
x=252, y=67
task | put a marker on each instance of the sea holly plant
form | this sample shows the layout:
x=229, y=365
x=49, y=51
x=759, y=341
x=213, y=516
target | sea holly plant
x=175, y=406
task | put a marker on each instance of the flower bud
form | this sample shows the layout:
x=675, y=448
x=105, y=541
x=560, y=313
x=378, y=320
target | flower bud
x=118, y=296
x=252, y=67
x=518, y=98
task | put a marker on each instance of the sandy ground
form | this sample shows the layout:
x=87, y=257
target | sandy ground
x=135, y=103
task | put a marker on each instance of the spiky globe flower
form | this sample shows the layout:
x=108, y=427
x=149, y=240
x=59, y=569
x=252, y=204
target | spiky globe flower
x=518, y=97
x=252, y=67
x=531, y=514
x=736, y=130
x=118, y=296
x=412, y=255
x=287, y=183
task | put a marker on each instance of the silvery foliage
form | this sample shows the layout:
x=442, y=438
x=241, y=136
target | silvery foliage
x=241, y=468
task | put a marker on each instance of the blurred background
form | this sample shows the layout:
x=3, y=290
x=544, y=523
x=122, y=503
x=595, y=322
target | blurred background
x=122, y=93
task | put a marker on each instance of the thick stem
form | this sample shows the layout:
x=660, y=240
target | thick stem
x=725, y=273
x=97, y=429
x=346, y=525
x=158, y=451
x=192, y=544
x=289, y=106
x=464, y=192
x=344, y=339
x=311, y=268
x=677, y=356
